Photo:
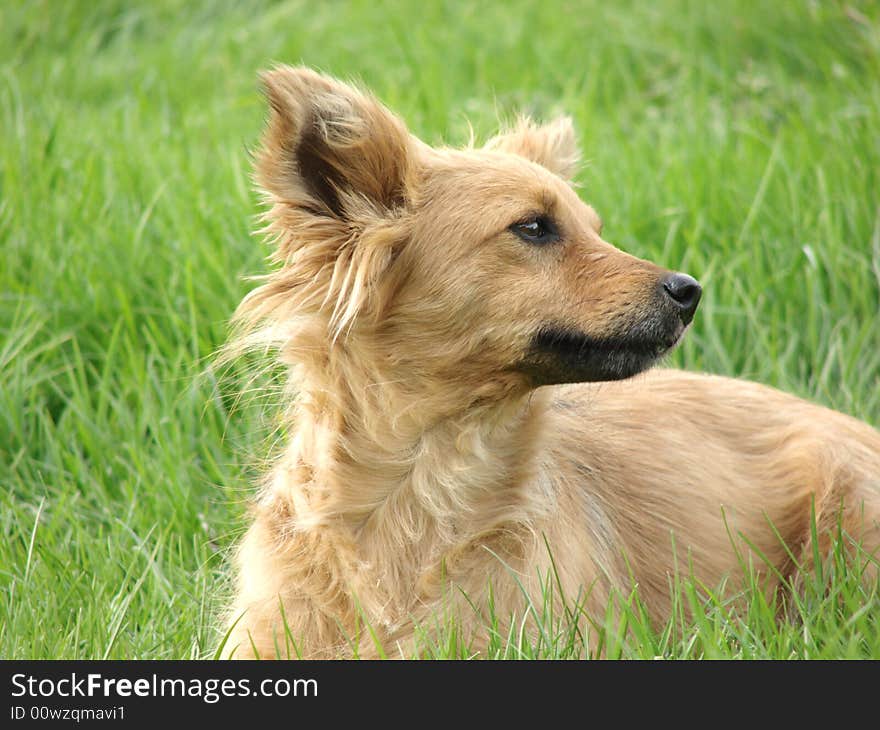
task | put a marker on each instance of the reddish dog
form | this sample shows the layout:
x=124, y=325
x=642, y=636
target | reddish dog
x=435, y=308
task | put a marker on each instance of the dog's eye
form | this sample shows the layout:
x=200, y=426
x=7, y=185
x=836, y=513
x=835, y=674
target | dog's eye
x=538, y=230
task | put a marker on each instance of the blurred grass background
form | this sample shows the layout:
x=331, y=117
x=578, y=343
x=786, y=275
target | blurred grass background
x=737, y=141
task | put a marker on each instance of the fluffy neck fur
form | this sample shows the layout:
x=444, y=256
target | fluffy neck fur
x=384, y=486
x=376, y=455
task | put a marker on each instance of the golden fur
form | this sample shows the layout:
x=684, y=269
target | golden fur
x=435, y=451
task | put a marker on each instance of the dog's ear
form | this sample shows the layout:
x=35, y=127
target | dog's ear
x=552, y=145
x=331, y=148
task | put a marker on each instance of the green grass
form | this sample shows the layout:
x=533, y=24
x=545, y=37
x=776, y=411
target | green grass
x=737, y=141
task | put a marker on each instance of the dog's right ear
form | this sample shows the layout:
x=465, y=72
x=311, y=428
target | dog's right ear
x=552, y=145
x=330, y=148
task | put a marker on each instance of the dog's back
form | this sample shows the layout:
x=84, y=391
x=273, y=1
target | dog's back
x=705, y=475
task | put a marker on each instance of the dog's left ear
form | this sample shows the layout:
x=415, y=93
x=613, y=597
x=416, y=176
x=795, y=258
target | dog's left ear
x=552, y=145
x=330, y=148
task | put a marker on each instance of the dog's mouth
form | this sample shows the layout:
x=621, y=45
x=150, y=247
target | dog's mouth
x=561, y=354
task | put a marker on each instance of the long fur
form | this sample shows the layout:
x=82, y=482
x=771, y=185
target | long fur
x=432, y=466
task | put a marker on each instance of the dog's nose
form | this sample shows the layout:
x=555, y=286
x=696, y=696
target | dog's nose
x=685, y=291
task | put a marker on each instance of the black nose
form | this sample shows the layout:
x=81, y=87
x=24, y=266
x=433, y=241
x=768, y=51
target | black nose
x=685, y=291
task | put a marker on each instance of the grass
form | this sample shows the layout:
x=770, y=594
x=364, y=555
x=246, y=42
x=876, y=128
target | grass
x=735, y=141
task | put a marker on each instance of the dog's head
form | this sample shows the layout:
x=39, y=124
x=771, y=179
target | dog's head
x=478, y=264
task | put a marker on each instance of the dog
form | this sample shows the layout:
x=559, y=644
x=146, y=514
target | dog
x=465, y=420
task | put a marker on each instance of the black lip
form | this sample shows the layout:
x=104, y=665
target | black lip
x=559, y=354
